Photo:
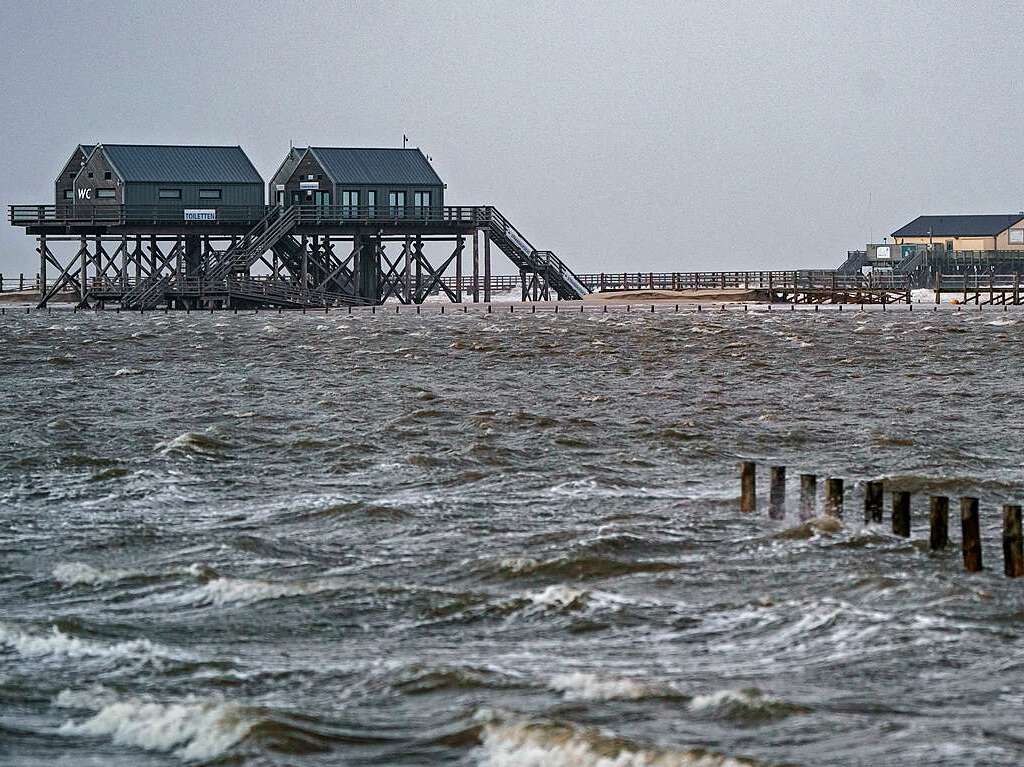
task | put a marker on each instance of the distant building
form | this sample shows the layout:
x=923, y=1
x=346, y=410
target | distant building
x=168, y=176
x=964, y=233
x=399, y=181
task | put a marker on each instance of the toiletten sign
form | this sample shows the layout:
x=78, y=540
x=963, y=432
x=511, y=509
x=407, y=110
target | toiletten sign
x=200, y=214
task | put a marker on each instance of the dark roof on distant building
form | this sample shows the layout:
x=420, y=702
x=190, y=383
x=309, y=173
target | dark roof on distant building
x=959, y=226
x=182, y=164
x=376, y=166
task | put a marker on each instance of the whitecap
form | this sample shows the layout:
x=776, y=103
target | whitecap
x=56, y=643
x=193, y=730
x=583, y=686
x=82, y=574
x=128, y=372
x=220, y=592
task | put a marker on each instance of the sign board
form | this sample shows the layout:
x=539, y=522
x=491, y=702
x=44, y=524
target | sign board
x=200, y=214
x=309, y=185
x=279, y=187
x=883, y=251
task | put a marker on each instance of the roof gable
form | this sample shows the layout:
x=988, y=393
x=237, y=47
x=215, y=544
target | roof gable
x=349, y=165
x=85, y=150
x=959, y=226
x=181, y=164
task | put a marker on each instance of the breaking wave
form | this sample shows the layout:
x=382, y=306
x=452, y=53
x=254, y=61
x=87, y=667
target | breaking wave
x=591, y=687
x=56, y=643
x=749, y=706
x=550, y=744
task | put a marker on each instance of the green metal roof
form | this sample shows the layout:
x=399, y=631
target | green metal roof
x=376, y=166
x=181, y=164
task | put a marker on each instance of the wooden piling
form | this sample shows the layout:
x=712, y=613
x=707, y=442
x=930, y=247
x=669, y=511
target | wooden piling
x=901, y=513
x=748, y=486
x=873, y=501
x=808, y=496
x=971, y=531
x=939, y=519
x=777, y=493
x=1013, y=552
x=834, y=497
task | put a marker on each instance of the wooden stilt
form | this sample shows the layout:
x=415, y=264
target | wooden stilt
x=777, y=496
x=834, y=497
x=971, y=533
x=939, y=522
x=748, y=486
x=873, y=501
x=1013, y=554
x=808, y=496
x=901, y=513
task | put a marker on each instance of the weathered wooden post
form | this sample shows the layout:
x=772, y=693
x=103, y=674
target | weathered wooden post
x=901, y=513
x=938, y=287
x=748, y=486
x=1013, y=553
x=777, y=497
x=808, y=496
x=939, y=518
x=970, y=527
x=834, y=497
x=873, y=501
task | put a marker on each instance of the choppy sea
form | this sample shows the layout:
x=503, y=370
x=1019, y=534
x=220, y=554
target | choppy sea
x=501, y=540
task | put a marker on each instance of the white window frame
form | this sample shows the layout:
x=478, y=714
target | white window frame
x=1016, y=236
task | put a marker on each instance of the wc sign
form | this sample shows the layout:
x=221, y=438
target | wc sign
x=200, y=214
x=85, y=194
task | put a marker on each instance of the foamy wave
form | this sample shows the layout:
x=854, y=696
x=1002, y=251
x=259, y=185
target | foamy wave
x=191, y=442
x=220, y=592
x=557, y=745
x=562, y=597
x=80, y=573
x=582, y=686
x=192, y=730
x=744, y=705
x=127, y=372
x=58, y=644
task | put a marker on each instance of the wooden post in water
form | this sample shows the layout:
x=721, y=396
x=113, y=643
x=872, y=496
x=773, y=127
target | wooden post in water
x=777, y=497
x=834, y=497
x=873, y=501
x=1013, y=553
x=971, y=531
x=939, y=518
x=748, y=486
x=808, y=496
x=901, y=513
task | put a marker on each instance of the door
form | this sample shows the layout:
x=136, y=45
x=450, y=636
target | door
x=350, y=203
x=421, y=203
x=396, y=202
x=322, y=199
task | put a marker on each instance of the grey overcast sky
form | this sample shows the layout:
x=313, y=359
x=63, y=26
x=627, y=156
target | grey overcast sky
x=681, y=135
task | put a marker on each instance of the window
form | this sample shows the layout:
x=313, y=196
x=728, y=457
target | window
x=396, y=201
x=421, y=200
x=69, y=194
x=319, y=176
x=371, y=202
x=71, y=174
x=209, y=194
x=105, y=194
x=350, y=203
x=169, y=194
x=90, y=174
x=1017, y=236
x=107, y=175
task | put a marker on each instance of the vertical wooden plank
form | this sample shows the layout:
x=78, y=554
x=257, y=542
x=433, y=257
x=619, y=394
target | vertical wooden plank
x=1013, y=554
x=42, y=268
x=476, y=266
x=808, y=496
x=873, y=501
x=748, y=486
x=939, y=522
x=458, y=271
x=901, y=513
x=970, y=525
x=834, y=497
x=777, y=493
